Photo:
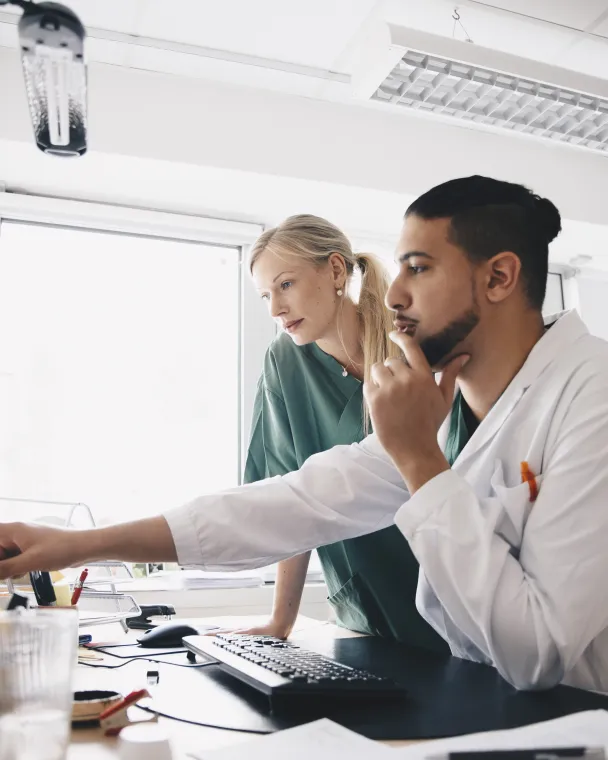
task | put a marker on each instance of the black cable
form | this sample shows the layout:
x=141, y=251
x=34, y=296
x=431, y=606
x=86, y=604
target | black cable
x=199, y=723
x=166, y=715
x=147, y=659
x=103, y=647
x=108, y=667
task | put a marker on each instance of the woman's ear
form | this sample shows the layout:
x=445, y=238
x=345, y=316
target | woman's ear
x=338, y=269
x=503, y=273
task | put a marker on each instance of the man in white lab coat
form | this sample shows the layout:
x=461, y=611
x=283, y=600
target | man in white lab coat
x=512, y=539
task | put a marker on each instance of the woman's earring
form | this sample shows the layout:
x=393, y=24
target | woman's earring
x=339, y=292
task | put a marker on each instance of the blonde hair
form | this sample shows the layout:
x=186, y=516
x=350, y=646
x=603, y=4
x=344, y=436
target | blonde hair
x=314, y=239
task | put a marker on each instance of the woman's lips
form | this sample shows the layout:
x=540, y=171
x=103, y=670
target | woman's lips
x=291, y=327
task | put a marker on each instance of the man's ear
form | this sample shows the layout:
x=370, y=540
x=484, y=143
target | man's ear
x=502, y=274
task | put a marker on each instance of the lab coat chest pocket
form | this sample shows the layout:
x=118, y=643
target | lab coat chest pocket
x=515, y=506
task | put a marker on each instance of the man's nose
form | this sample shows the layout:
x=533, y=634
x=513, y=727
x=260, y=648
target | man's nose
x=397, y=298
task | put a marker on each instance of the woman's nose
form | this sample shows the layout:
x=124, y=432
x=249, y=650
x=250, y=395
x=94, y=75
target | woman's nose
x=277, y=307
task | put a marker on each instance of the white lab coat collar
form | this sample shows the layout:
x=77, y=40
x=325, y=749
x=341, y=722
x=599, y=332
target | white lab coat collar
x=566, y=328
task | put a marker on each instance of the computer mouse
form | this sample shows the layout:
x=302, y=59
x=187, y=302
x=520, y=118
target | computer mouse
x=167, y=636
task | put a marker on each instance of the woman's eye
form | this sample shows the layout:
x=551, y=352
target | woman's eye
x=264, y=296
x=286, y=284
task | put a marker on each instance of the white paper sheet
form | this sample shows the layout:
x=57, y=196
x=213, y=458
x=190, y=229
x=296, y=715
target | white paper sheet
x=321, y=740
x=196, y=579
x=588, y=729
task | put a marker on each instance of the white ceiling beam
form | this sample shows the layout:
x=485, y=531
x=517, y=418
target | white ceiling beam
x=124, y=38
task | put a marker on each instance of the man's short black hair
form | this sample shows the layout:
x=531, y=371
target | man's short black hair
x=489, y=216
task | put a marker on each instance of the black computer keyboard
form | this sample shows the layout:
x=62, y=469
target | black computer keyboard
x=280, y=669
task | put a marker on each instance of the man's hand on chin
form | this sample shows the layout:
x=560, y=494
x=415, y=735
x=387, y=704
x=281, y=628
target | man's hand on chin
x=407, y=408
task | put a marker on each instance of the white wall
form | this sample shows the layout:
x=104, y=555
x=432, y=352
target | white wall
x=592, y=296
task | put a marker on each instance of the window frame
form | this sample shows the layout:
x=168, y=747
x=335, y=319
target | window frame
x=256, y=330
x=556, y=270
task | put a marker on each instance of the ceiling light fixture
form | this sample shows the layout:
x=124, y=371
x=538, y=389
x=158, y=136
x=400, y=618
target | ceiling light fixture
x=582, y=260
x=51, y=40
x=482, y=87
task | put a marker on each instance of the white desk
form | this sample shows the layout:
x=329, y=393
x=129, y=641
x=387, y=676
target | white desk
x=91, y=744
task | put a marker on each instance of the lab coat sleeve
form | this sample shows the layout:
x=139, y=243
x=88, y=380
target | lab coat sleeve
x=341, y=493
x=271, y=447
x=532, y=610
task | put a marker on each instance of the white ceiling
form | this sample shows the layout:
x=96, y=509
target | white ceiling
x=579, y=15
x=324, y=34
x=560, y=32
x=311, y=33
x=307, y=47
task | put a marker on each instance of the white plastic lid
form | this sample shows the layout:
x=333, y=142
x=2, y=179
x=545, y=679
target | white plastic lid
x=146, y=741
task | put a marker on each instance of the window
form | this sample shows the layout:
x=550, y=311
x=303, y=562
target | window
x=554, y=298
x=122, y=368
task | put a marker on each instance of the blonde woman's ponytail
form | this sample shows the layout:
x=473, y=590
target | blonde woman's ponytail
x=376, y=319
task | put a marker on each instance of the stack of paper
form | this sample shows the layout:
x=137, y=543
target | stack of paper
x=585, y=729
x=321, y=740
x=198, y=579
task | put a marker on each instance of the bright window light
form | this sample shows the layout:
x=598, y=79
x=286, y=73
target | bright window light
x=119, y=369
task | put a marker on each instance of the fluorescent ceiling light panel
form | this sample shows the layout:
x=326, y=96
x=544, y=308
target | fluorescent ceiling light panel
x=489, y=88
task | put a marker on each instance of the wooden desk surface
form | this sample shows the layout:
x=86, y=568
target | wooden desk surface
x=91, y=744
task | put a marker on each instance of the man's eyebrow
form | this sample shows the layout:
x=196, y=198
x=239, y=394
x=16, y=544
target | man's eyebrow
x=403, y=257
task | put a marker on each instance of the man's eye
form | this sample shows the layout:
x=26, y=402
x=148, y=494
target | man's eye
x=264, y=296
x=417, y=269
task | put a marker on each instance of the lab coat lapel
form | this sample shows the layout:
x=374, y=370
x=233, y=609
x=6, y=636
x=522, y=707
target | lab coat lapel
x=565, y=329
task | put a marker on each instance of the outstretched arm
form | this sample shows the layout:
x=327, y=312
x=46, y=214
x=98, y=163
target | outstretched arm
x=34, y=547
x=341, y=493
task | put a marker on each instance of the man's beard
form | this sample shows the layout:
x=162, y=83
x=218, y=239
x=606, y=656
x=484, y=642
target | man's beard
x=439, y=346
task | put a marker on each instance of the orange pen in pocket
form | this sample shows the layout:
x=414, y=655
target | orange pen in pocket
x=527, y=476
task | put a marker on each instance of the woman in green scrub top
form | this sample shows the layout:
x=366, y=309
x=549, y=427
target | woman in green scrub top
x=309, y=398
